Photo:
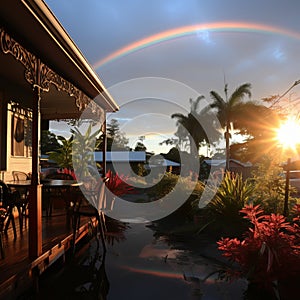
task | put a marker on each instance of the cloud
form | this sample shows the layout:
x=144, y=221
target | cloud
x=203, y=61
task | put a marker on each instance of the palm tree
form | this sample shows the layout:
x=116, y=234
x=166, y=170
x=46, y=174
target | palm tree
x=191, y=124
x=228, y=108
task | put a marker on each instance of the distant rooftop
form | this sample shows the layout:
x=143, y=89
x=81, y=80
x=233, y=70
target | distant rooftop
x=121, y=156
x=155, y=162
x=222, y=162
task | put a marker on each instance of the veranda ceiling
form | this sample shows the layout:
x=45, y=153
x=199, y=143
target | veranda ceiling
x=72, y=82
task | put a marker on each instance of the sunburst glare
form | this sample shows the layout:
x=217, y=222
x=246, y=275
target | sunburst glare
x=288, y=134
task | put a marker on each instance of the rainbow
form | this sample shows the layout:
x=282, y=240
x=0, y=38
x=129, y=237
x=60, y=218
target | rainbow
x=192, y=30
x=156, y=273
x=164, y=274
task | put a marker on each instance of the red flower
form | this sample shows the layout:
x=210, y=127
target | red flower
x=117, y=184
x=67, y=171
x=270, y=250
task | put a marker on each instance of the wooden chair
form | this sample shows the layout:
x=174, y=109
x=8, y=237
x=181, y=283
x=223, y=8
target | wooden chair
x=10, y=199
x=24, y=194
x=19, y=176
x=84, y=208
x=50, y=194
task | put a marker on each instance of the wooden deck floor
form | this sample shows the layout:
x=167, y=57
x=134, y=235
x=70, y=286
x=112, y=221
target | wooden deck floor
x=17, y=271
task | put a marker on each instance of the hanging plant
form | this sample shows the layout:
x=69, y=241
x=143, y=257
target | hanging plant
x=19, y=130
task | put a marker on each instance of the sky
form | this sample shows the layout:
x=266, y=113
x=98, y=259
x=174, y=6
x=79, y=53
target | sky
x=153, y=56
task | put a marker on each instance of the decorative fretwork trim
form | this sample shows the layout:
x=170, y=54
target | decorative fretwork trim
x=40, y=75
x=16, y=108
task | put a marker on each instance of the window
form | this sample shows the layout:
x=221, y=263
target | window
x=3, y=134
x=21, y=128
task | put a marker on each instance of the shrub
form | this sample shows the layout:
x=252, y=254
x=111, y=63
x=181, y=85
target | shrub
x=269, y=191
x=270, y=250
x=164, y=186
x=231, y=196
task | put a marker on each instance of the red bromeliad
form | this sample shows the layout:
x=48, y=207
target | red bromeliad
x=67, y=171
x=117, y=184
x=270, y=250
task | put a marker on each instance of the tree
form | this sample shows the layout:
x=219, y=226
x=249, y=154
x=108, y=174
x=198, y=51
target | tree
x=269, y=184
x=173, y=154
x=228, y=109
x=49, y=142
x=190, y=125
x=180, y=141
x=116, y=139
x=140, y=147
x=256, y=123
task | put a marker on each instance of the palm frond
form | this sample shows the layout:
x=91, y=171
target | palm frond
x=181, y=119
x=239, y=94
x=178, y=116
x=195, y=103
x=218, y=100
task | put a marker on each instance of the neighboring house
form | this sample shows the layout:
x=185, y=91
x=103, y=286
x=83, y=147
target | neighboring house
x=234, y=166
x=43, y=76
x=121, y=161
x=294, y=179
x=164, y=164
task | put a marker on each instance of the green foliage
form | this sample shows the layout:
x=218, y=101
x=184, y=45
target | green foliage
x=231, y=196
x=191, y=126
x=116, y=139
x=140, y=147
x=188, y=190
x=231, y=106
x=63, y=154
x=49, y=142
x=191, y=206
x=184, y=186
x=77, y=151
x=139, y=169
x=164, y=186
x=256, y=123
x=228, y=108
x=173, y=154
x=83, y=150
x=269, y=185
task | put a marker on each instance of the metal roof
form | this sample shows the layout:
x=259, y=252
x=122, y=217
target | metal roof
x=222, y=162
x=122, y=156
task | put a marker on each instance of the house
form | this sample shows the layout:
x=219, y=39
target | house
x=122, y=161
x=43, y=76
x=234, y=166
x=159, y=162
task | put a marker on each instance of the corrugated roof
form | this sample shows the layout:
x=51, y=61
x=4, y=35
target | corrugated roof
x=122, y=156
x=164, y=163
x=222, y=162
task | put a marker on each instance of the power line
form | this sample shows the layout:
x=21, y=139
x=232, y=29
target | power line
x=295, y=83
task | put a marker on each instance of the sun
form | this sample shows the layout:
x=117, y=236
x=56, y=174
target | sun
x=288, y=134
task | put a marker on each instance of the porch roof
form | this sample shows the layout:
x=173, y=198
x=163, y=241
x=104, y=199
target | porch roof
x=32, y=24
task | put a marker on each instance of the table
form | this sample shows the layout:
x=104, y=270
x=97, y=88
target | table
x=51, y=188
x=59, y=188
x=46, y=183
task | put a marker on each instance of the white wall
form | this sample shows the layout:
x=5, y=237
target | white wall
x=14, y=163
